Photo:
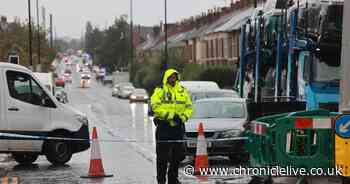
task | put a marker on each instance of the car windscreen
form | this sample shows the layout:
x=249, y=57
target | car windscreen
x=128, y=88
x=211, y=94
x=218, y=109
x=140, y=92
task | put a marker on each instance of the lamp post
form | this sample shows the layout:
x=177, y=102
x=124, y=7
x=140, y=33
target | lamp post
x=131, y=40
x=51, y=33
x=165, y=61
x=38, y=24
x=131, y=31
x=30, y=35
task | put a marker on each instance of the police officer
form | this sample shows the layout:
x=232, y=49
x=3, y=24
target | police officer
x=172, y=107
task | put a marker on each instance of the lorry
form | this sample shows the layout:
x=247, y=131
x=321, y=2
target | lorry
x=28, y=110
x=316, y=139
x=299, y=63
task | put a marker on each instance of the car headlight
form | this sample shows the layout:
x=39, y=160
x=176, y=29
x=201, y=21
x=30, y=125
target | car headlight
x=82, y=119
x=229, y=134
x=145, y=97
x=133, y=96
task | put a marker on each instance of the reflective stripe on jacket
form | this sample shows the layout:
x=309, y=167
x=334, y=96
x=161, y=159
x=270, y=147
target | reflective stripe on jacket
x=168, y=100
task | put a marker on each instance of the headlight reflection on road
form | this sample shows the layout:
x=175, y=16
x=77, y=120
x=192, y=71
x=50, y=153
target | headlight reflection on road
x=133, y=114
x=145, y=113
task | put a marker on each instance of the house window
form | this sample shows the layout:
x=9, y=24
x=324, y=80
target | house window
x=222, y=48
x=230, y=47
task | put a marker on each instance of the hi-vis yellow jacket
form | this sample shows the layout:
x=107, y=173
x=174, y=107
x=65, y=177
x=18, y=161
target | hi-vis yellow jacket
x=168, y=100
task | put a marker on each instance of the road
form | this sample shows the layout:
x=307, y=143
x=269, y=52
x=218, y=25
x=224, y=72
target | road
x=126, y=137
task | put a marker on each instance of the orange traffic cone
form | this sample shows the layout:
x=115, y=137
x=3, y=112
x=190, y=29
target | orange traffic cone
x=201, y=161
x=96, y=167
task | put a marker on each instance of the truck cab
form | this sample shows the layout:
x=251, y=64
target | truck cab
x=29, y=113
x=318, y=81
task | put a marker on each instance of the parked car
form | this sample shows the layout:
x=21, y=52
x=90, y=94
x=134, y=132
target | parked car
x=67, y=77
x=222, y=118
x=31, y=109
x=61, y=95
x=115, y=90
x=125, y=91
x=60, y=82
x=107, y=80
x=139, y=95
x=117, y=87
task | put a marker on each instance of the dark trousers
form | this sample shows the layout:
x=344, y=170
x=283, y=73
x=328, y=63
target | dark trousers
x=168, y=152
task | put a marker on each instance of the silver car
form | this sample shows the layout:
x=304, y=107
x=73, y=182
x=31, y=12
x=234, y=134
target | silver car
x=222, y=118
x=125, y=91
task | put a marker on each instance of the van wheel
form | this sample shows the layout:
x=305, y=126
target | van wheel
x=58, y=152
x=25, y=158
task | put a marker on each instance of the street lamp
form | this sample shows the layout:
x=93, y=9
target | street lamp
x=30, y=35
x=131, y=39
x=38, y=24
x=131, y=31
x=165, y=61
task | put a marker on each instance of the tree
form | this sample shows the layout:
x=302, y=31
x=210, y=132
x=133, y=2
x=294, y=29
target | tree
x=109, y=47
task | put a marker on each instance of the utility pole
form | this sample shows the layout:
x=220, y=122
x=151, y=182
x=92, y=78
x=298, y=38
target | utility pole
x=43, y=13
x=38, y=24
x=165, y=62
x=51, y=33
x=30, y=35
x=344, y=104
x=131, y=35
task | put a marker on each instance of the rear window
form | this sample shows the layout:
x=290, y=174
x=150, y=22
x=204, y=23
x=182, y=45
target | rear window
x=218, y=109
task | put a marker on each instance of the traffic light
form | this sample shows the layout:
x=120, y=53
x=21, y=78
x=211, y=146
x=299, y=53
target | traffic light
x=14, y=59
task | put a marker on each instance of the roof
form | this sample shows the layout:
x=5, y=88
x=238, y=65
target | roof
x=226, y=23
x=236, y=20
x=175, y=40
x=13, y=66
x=228, y=99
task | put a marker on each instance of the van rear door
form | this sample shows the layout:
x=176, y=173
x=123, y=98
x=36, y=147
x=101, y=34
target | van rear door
x=26, y=114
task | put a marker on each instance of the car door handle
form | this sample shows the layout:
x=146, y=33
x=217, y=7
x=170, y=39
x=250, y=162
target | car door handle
x=13, y=109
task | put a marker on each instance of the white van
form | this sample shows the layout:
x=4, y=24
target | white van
x=28, y=108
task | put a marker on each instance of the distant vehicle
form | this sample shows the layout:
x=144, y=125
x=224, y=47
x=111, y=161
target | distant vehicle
x=107, y=80
x=84, y=81
x=61, y=95
x=47, y=80
x=139, y=95
x=60, y=82
x=28, y=108
x=115, y=90
x=67, y=77
x=200, y=85
x=222, y=118
x=101, y=74
x=125, y=91
x=117, y=87
x=68, y=71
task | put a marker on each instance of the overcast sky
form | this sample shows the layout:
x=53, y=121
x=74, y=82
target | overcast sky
x=70, y=16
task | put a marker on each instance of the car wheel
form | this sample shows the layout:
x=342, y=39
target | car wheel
x=58, y=152
x=25, y=158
